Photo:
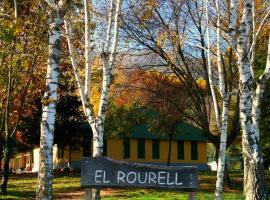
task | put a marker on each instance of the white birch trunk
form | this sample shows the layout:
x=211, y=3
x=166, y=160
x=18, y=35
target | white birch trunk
x=87, y=40
x=44, y=187
x=108, y=73
x=108, y=59
x=233, y=22
x=224, y=93
x=222, y=150
x=256, y=108
x=87, y=108
x=255, y=183
x=210, y=73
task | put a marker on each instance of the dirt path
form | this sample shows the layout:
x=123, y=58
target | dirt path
x=80, y=194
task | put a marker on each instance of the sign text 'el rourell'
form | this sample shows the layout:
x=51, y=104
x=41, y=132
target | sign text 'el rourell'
x=105, y=172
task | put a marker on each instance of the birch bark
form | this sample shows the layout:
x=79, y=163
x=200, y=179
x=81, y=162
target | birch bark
x=255, y=183
x=221, y=119
x=44, y=187
x=108, y=61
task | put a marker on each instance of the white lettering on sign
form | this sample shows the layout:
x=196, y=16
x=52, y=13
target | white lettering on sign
x=100, y=177
x=120, y=176
x=152, y=177
x=145, y=178
x=130, y=176
x=161, y=177
x=168, y=179
x=104, y=178
x=176, y=179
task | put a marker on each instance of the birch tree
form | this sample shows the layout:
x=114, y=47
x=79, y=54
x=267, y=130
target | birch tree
x=107, y=56
x=57, y=10
x=251, y=91
x=221, y=118
x=242, y=35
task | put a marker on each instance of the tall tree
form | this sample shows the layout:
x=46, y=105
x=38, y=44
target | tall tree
x=251, y=91
x=57, y=10
x=221, y=117
x=18, y=63
x=107, y=56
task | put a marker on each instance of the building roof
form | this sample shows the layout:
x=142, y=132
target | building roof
x=183, y=132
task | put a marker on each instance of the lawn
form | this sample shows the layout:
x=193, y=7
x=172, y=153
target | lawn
x=66, y=185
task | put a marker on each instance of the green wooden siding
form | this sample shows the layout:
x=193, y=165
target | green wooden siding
x=126, y=147
x=155, y=149
x=141, y=149
x=180, y=150
x=194, y=150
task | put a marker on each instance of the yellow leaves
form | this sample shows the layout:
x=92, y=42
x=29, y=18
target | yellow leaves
x=202, y=84
x=18, y=27
x=95, y=97
x=176, y=39
x=146, y=15
x=46, y=102
x=147, y=10
x=92, y=25
x=165, y=37
x=161, y=39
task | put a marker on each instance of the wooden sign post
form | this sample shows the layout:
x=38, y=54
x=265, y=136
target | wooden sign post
x=103, y=172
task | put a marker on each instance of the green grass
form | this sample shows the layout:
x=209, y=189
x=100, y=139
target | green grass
x=206, y=192
x=67, y=185
x=24, y=186
x=154, y=195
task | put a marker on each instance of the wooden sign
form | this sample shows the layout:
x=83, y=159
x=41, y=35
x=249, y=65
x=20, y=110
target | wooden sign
x=105, y=172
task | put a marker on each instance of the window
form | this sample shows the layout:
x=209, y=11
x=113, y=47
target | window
x=104, y=147
x=141, y=149
x=126, y=148
x=155, y=149
x=194, y=150
x=180, y=150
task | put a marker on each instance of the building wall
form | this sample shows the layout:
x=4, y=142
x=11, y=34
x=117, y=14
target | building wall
x=115, y=151
x=35, y=164
x=21, y=161
x=36, y=160
x=115, y=148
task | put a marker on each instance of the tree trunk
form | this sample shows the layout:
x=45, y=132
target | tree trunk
x=227, y=180
x=69, y=154
x=222, y=151
x=7, y=154
x=1, y=153
x=97, y=129
x=246, y=169
x=254, y=177
x=255, y=187
x=169, y=151
x=44, y=187
x=108, y=59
